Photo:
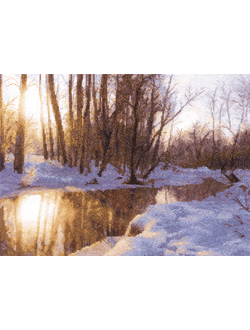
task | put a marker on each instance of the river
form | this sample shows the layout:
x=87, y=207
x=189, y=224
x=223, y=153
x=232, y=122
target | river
x=49, y=222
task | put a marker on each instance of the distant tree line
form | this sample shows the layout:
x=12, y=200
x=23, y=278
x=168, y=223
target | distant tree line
x=225, y=145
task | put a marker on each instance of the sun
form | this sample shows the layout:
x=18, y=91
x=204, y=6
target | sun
x=32, y=100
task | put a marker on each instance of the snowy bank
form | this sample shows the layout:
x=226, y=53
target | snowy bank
x=215, y=226
x=98, y=248
x=48, y=174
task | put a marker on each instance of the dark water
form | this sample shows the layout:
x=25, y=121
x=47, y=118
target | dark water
x=55, y=222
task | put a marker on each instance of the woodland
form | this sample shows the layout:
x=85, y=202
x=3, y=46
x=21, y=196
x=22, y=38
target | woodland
x=126, y=120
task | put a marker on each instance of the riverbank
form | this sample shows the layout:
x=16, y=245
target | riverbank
x=216, y=226
x=47, y=174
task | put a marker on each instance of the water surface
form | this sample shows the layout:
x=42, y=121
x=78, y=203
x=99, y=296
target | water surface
x=57, y=222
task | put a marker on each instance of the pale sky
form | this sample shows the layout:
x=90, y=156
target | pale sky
x=32, y=105
x=198, y=112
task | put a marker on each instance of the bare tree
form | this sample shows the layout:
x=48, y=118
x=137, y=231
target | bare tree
x=2, y=129
x=57, y=115
x=79, y=130
x=105, y=133
x=51, y=142
x=167, y=117
x=87, y=126
x=71, y=122
x=96, y=150
x=9, y=129
x=105, y=127
x=161, y=113
x=138, y=101
x=212, y=105
x=226, y=97
x=45, y=150
x=242, y=103
x=199, y=135
x=242, y=100
x=20, y=136
x=79, y=122
x=108, y=119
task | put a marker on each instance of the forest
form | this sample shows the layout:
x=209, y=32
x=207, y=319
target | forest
x=126, y=120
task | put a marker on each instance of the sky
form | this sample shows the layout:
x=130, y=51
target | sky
x=32, y=106
x=199, y=111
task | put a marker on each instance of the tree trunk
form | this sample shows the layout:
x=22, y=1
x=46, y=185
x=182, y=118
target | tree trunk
x=87, y=147
x=96, y=125
x=233, y=150
x=58, y=119
x=2, y=129
x=51, y=142
x=125, y=156
x=150, y=121
x=232, y=177
x=214, y=143
x=105, y=137
x=104, y=104
x=108, y=123
x=153, y=166
x=19, y=147
x=133, y=179
x=157, y=145
x=212, y=109
x=118, y=107
x=58, y=147
x=70, y=122
x=45, y=150
x=79, y=97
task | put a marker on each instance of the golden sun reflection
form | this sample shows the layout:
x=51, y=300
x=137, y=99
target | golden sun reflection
x=56, y=222
x=164, y=196
x=35, y=208
x=29, y=209
x=35, y=223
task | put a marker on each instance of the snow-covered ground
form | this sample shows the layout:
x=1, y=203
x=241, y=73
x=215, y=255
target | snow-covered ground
x=214, y=226
x=47, y=174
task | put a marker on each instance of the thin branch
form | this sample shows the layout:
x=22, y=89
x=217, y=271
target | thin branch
x=229, y=130
x=241, y=235
x=239, y=219
x=244, y=207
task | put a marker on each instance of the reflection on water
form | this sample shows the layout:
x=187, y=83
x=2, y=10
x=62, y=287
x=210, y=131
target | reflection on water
x=188, y=193
x=56, y=222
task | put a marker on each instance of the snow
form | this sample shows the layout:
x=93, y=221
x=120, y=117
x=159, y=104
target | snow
x=47, y=174
x=98, y=248
x=212, y=227
x=178, y=176
x=215, y=226
x=51, y=174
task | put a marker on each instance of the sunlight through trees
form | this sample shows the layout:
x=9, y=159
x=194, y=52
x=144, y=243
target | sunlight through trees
x=127, y=120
